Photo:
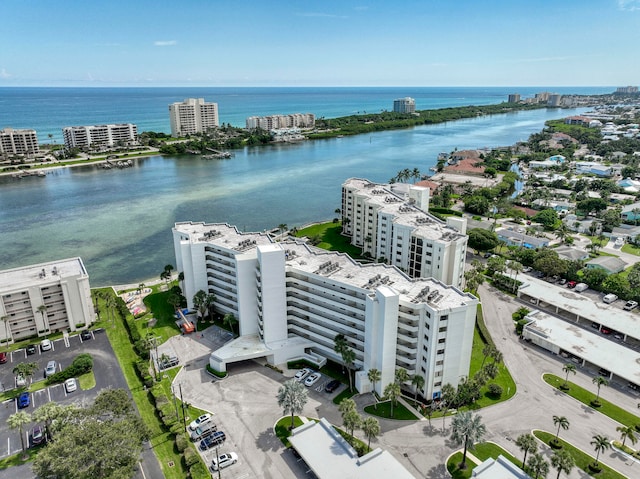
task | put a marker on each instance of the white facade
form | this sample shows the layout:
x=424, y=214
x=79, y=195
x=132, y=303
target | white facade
x=291, y=301
x=404, y=105
x=193, y=115
x=18, y=142
x=274, y=122
x=102, y=135
x=44, y=298
x=395, y=226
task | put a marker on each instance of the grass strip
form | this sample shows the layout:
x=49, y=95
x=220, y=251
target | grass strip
x=486, y=450
x=581, y=458
x=383, y=410
x=453, y=466
x=585, y=397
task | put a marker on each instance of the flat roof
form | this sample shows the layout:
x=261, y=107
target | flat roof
x=500, y=468
x=620, y=360
x=330, y=456
x=626, y=322
x=41, y=274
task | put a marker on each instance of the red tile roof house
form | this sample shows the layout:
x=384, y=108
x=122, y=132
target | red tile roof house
x=432, y=185
x=469, y=165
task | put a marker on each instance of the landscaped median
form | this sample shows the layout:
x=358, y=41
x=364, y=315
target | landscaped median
x=583, y=460
x=586, y=397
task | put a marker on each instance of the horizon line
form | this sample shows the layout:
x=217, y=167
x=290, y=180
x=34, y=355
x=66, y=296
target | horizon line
x=305, y=86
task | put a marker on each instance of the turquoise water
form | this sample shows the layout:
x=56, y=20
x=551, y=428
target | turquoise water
x=119, y=221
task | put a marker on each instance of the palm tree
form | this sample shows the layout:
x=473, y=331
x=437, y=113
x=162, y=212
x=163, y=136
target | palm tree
x=351, y=420
x=561, y=422
x=418, y=382
x=627, y=432
x=487, y=351
x=230, y=320
x=599, y=381
x=568, y=368
x=401, y=376
x=538, y=466
x=200, y=302
x=517, y=268
x=371, y=429
x=5, y=320
x=600, y=443
x=47, y=413
x=563, y=461
x=43, y=309
x=527, y=443
x=292, y=396
x=374, y=375
x=467, y=429
x=18, y=421
x=26, y=370
x=282, y=227
x=497, y=356
x=392, y=393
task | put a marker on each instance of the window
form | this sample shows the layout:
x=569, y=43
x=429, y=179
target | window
x=442, y=329
x=426, y=338
x=423, y=370
x=427, y=324
x=440, y=351
x=438, y=374
x=439, y=363
x=444, y=318
x=441, y=341
x=437, y=384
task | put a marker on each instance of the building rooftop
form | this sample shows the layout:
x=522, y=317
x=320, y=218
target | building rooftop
x=500, y=468
x=608, y=315
x=44, y=273
x=593, y=347
x=394, y=200
x=329, y=456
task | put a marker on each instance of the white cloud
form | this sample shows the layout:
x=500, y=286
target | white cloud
x=165, y=43
x=629, y=5
x=5, y=74
x=324, y=15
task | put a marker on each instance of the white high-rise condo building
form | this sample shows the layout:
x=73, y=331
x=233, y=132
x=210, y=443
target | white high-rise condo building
x=391, y=223
x=44, y=298
x=193, y=115
x=292, y=299
x=100, y=135
x=404, y=105
x=18, y=142
x=294, y=120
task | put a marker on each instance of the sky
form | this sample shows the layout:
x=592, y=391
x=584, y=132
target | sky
x=322, y=43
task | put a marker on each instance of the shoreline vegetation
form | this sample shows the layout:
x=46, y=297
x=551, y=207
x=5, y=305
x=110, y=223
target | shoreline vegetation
x=236, y=138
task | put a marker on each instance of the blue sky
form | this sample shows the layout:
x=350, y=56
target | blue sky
x=323, y=43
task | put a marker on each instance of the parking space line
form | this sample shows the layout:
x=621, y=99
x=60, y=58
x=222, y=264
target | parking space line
x=8, y=446
x=65, y=337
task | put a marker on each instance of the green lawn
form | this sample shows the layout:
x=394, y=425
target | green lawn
x=383, y=410
x=582, y=459
x=503, y=379
x=455, y=471
x=586, y=396
x=331, y=239
x=16, y=459
x=283, y=431
x=161, y=440
x=631, y=249
x=87, y=381
x=486, y=450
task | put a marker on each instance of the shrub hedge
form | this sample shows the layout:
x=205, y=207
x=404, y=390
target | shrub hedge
x=83, y=363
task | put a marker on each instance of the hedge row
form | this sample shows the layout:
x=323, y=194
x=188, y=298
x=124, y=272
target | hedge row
x=83, y=363
x=139, y=345
x=482, y=328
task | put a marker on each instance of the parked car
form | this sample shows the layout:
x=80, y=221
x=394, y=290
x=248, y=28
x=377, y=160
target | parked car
x=571, y=284
x=223, y=461
x=562, y=281
x=37, y=435
x=605, y=331
x=610, y=298
x=527, y=269
x=633, y=386
x=31, y=349
x=24, y=400
x=85, y=335
x=302, y=374
x=312, y=379
x=199, y=421
x=20, y=381
x=3, y=358
x=71, y=385
x=45, y=345
x=332, y=386
x=214, y=440
x=604, y=372
x=51, y=368
x=629, y=305
x=203, y=431
x=580, y=287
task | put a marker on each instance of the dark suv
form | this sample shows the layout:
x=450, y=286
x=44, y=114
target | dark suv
x=215, y=439
x=332, y=386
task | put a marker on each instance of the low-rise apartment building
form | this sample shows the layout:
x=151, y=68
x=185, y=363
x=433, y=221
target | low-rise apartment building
x=44, y=298
x=392, y=224
x=274, y=122
x=18, y=142
x=105, y=136
x=292, y=299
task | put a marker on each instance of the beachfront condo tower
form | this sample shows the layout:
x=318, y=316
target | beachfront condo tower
x=193, y=115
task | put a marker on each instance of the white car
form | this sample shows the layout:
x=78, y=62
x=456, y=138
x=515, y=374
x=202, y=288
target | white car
x=224, y=460
x=20, y=381
x=302, y=374
x=199, y=421
x=45, y=345
x=71, y=385
x=311, y=380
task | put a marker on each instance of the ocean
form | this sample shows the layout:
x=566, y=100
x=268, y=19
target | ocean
x=48, y=110
x=119, y=221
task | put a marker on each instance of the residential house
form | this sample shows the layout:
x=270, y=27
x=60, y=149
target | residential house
x=570, y=253
x=631, y=212
x=515, y=238
x=610, y=264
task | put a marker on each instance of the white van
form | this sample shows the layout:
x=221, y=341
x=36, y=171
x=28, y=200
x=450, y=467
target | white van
x=580, y=287
x=610, y=298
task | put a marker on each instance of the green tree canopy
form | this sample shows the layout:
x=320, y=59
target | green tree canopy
x=548, y=218
x=482, y=240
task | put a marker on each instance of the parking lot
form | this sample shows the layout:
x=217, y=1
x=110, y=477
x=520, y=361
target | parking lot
x=64, y=350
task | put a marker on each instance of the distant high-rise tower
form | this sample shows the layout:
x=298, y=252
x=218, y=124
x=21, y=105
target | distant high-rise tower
x=514, y=98
x=554, y=100
x=191, y=116
x=404, y=105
